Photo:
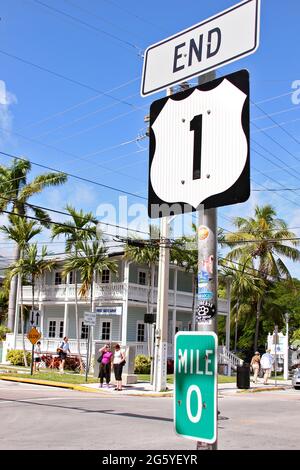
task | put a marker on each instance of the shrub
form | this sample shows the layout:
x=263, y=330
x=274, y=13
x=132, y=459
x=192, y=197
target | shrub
x=142, y=364
x=3, y=331
x=16, y=357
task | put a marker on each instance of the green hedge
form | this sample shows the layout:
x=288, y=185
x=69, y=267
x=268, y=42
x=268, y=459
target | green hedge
x=16, y=357
x=142, y=364
x=3, y=331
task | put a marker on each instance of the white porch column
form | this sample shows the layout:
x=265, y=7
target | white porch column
x=66, y=311
x=41, y=318
x=125, y=303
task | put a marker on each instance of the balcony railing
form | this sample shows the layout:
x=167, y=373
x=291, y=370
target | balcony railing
x=115, y=291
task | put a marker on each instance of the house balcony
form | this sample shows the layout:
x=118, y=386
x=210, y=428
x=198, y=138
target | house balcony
x=112, y=292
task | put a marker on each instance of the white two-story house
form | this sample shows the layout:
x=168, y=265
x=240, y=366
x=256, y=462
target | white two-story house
x=124, y=297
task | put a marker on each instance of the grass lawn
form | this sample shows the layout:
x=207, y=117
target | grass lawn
x=170, y=378
x=67, y=377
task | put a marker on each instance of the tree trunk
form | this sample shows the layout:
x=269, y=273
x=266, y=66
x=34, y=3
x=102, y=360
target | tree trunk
x=258, y=312
x=22, y=319
x=236, y=325
x=13, y=294
x=77, y=321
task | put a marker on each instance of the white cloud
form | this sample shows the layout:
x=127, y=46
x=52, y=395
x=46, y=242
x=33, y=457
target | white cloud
x=6, y=100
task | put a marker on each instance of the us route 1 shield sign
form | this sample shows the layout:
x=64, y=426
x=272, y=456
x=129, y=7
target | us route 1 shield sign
x=199, y=147
x=195, y=399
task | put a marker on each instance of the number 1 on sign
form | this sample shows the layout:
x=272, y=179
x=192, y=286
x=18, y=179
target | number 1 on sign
x=196, y=126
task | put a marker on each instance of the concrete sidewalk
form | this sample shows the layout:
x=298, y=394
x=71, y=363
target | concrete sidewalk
x=145, y=388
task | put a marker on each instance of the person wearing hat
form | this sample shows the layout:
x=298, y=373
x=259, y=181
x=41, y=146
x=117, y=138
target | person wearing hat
x=255, y=364
x=266, y=364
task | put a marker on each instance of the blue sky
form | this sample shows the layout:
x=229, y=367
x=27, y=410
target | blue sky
x=67, y=123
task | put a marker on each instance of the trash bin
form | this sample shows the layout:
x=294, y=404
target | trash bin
x=243, y=376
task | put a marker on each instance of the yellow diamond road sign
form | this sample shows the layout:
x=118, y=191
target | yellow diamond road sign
x=33, y=335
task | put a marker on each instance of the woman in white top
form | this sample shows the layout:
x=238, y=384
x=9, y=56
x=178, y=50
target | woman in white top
x=37, y=357
x=118, y=363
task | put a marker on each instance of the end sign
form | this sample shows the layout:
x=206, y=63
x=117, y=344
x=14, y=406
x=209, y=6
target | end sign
x=219, y=40
x=195, y=400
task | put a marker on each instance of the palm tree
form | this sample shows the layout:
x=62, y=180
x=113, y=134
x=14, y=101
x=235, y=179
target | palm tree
x=15, y=191
x=20, y=231
x=33, y=265
x=266, y=244
x=81, y=227
x=243, y=283
x=90, y=259
x=145, y=253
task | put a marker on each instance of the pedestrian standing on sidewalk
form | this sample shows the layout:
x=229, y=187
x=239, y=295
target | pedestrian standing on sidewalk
x=37, y=357
x=105, y=365
x=118, y=363
x=63, y=350
x=255, y=364
x=266, y=364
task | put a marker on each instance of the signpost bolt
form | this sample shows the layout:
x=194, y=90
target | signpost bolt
x=179, y=402
x=183, y=120
x=208, y=112
x=204, y=405
x=182, y=181
x=208, y=176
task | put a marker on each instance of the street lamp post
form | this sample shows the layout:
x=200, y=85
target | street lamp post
x=286, y=352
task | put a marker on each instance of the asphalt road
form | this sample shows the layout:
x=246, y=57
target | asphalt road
x=38, y=417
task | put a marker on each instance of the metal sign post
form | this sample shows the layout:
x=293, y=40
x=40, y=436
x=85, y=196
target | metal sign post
x=199, y=149
x=33, y=335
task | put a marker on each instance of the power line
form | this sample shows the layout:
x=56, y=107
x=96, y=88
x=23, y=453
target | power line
x=95, y=15
x=34, y=206
x=95, y=126
x=88, y=25
x=77, y=105
x=279, y=278
x=135, y=15
x=292, y=108
x=275, y=141
x=81, y=118
x=75, y=176
x=64, y=77
x=275, y=122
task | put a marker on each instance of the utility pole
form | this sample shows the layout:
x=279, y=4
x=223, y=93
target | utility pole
x=276, y=342
x=286, y=351
x=207, y=262
x=161, y=332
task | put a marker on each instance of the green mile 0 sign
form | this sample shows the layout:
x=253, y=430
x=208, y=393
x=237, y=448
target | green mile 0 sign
x=195, y=400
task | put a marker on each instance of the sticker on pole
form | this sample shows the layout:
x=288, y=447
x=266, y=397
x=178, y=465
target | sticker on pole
x=195, y=399
x=199, y=147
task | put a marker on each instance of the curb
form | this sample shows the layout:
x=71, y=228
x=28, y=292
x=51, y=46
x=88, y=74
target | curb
x=50, y=383
x=80, y=388
x=257, y=390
